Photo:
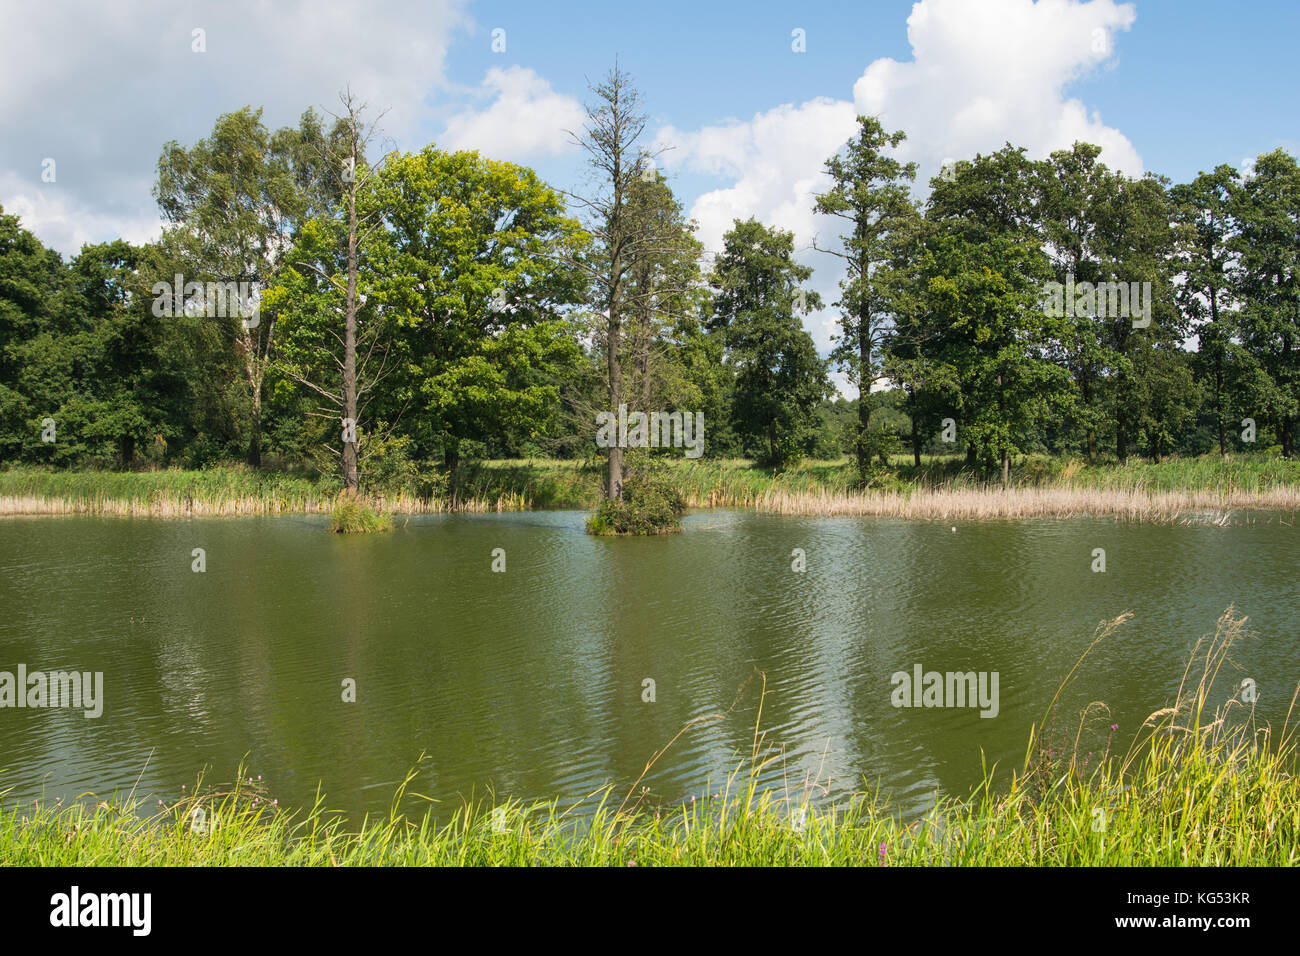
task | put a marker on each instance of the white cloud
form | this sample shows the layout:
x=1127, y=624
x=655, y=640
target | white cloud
x=63, y=222
x=776, y=160
x=527, y=118
x=988, y=72
x=101, y=87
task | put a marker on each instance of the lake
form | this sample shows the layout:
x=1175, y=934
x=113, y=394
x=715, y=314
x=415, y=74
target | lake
x=533, y=682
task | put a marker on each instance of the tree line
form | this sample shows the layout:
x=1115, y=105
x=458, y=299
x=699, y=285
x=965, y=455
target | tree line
x=414, y=310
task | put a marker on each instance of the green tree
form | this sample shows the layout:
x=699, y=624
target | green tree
x=665, y=294
x=341, y=348
x=104, y=364
x=975, y=320
x=474, y=267
x=610, y=137
x=1203, y=208
x=31, y=278
x=987, y=295
x=1168, y=396
x=1076, y=194
x=236, y=201
x=1141, y=254
x=869, y=192
x=780, y=381
x=1268, y=246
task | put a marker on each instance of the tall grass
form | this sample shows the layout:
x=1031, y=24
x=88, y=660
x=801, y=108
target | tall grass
x=942, y=488
x=1200, y=785
x=227, y=490
x=1206, y=488
x=220, y=491
x=354, y=515
x=977, y=504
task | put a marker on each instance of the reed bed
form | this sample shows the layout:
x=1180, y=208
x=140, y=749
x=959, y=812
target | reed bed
x=161, y=507
x=217, y=492
x=1199, y=785
x=942, y=488
x=222, y=507
x=980, y=504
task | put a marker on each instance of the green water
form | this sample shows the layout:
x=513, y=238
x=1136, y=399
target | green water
x=531, y=682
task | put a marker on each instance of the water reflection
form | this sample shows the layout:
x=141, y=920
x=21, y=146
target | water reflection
x=530, y=682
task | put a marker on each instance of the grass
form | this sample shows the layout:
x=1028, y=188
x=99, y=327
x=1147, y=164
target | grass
x=353, y=515
x=1200, y=785
x=941, y=488
x=227, y=490
x=222, y=491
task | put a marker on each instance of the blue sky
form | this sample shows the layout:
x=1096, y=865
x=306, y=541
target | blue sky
x=1191, y=83
x=1173, y=87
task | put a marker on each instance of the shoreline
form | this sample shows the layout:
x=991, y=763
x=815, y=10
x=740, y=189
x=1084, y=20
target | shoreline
x=1196, y=489
x=937, y=504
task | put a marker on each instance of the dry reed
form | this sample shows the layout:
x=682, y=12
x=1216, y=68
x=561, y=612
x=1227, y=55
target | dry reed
x=979, y=504
x=168, y=506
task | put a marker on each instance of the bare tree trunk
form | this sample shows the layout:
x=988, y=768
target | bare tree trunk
x=345, y=153
x=1218, y=408
x=254, y=372
x=1286, y=435
x=614, y=488
x=864, y=394
x=255, y=434
x=646, y=337
x=1218, y=373
x=614, y=124
x=351, y=476
x=1006, y=452
x=1086, y=388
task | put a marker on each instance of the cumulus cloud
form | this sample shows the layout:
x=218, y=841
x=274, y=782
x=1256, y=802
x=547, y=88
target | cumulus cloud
x=66, y=223
x=984, y=73
x=775, y=159
x=100, y=88
x=526, y=120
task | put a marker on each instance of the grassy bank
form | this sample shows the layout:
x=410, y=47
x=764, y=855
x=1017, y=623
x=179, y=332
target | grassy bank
x=941, y=488
x=1199, y=785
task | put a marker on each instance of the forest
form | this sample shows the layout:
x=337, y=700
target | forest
x=402, y=314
